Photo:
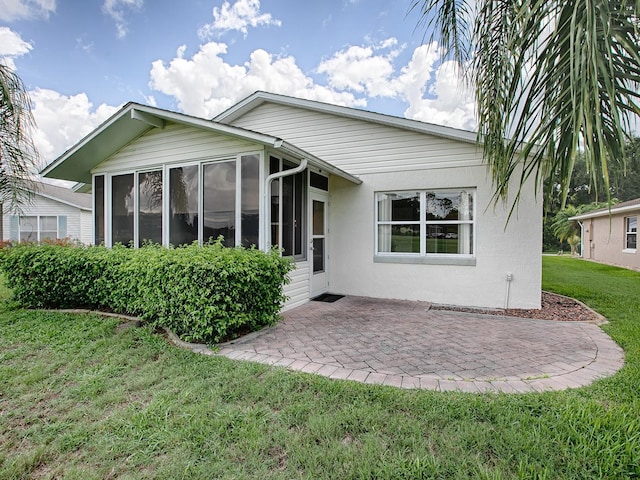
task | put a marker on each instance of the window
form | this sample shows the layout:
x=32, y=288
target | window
x=219, y=202
x=287, y=209
x=425, y=223
x=98, y=211
x=150, y=207
x=122, y=208
x=631, y=237
x=183, y=205
x=36, y=228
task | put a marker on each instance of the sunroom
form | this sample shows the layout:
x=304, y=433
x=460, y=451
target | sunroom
x=171, y=179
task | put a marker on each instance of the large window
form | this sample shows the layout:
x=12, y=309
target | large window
x=181, y=204
x=631, y=236
x=425, y=223
x=150, y=207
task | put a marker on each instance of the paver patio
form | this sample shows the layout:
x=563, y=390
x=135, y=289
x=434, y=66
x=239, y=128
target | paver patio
x=406, y=344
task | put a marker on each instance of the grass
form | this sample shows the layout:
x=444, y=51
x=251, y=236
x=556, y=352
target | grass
x=80, y=398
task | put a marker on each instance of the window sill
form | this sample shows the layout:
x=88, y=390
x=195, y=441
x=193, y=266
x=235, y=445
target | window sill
x=461, y=260
x=629, y=250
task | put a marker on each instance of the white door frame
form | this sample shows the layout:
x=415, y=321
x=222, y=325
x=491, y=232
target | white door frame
x=318, y=281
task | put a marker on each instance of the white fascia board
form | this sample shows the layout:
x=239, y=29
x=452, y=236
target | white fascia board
x=606, y=213
x=319, y=163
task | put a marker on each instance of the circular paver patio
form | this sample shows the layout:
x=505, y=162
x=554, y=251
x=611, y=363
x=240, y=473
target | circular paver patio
x=405, y=344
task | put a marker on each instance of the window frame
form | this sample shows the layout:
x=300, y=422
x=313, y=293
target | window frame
x=38, y=224
x=165, y=168
x=629, y=232
x=422, y=256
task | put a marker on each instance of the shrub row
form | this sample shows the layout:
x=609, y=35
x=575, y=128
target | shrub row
x=202, y=293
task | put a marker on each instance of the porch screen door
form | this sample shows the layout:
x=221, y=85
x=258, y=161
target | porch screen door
x=318, y=244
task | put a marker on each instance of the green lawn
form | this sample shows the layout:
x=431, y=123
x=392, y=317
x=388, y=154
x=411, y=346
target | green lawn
x=82, y=399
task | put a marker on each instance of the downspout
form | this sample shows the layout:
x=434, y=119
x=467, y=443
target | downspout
x=267, y=193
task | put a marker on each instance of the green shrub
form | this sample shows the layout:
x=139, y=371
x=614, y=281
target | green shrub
x=204, y=294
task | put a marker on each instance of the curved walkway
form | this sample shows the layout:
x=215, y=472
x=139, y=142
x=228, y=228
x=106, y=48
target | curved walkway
x=405, y=344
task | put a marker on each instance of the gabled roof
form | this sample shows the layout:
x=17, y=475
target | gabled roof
x=134, y=120
x=624, y=207
x=64, y=195
x=259, y=98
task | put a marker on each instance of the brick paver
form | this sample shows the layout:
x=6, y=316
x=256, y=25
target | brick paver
x=407, y=345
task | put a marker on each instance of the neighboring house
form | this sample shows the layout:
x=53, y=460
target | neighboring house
x=611, y=236
x=367, y=204
x=54, y=213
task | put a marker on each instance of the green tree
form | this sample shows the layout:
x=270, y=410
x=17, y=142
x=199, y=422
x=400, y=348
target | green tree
x=554, y=78
x=18, y=155
x=565, y=229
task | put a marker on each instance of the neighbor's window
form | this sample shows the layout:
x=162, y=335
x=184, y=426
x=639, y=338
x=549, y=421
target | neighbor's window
x=424, y=223
x=36, y=228
x=631, y=237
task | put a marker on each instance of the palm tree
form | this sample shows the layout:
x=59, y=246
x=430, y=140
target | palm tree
x=553, y=78
x=18, y=156
x=566, y=229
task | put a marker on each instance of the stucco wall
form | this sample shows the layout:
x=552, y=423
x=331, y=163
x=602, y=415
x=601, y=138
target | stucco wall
x=604, y=241
x=501, y=248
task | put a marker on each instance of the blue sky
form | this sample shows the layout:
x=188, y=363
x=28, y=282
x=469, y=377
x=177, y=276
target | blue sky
x=81, y=61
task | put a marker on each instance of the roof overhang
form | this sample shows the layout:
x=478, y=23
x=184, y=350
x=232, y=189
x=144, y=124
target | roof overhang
x=134, y=120
x=607, y=212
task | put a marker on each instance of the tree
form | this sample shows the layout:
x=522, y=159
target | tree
x=554, y=78
x=565, y=229
x=18, y=155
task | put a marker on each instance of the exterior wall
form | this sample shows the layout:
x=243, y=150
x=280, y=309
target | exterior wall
x=390, y=159
x=499, y=250
x=298, y=290
x=47, y=207
x=357, y=146
x=86, y=227
x=173, y=144
x=604, y=241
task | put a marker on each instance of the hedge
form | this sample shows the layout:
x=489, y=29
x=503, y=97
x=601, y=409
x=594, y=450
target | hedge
x=203, y=293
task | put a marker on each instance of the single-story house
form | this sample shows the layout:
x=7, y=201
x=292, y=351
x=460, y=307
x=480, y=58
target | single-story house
x=611, y=235
x=54, y=213
x=367, y=204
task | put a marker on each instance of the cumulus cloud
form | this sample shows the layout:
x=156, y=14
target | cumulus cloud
x=61, y=121
x=239, y=16
x=205, y=85
x=11, y=46
x=362, y=69
x=117, y=10
x=11, y=10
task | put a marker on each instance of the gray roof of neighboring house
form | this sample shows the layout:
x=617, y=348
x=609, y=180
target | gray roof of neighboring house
x=623, y=207
x=64, y=195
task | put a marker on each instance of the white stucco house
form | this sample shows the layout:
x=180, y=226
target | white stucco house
x=367, y=204
x=54, y=213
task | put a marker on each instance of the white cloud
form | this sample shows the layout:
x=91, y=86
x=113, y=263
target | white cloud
x=11, y=10
x=61, y=121
x=205, y=85
x=239, y=16
x=116, y=9
x=11, y=46
x=362, y=70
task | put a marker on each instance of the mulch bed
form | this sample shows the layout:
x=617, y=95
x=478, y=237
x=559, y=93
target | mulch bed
x=554, y=307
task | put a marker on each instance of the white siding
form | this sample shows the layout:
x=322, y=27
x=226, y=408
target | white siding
x=86, y=227
x=173, y=144
x=46, y=207
x=298, y=289
x=357, y=146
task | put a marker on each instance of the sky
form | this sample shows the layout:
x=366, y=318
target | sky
x=83, y=60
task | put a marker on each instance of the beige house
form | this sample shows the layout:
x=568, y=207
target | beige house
x=611, y=236
x=366, y=204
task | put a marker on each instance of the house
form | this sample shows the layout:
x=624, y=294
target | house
x=54, y=213
x=611, y=235
x=367, y=204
